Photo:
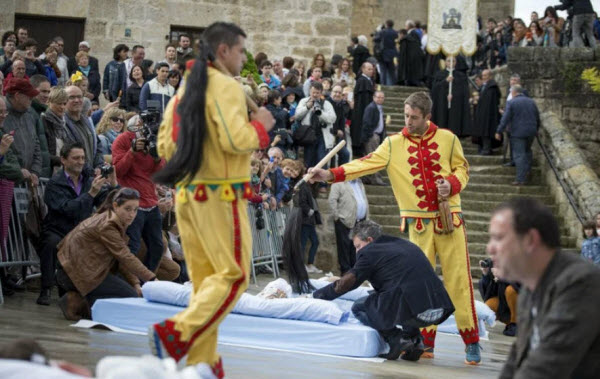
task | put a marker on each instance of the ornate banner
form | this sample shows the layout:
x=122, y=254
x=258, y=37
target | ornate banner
x=452, y=27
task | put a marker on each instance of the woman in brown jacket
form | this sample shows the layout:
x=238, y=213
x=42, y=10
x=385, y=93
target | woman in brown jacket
x=93, y=254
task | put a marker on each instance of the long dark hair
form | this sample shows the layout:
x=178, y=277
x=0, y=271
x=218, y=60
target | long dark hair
x=119, y=196
x=188, y=157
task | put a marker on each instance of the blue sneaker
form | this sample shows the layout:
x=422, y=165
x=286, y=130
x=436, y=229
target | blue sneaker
x=473, y=354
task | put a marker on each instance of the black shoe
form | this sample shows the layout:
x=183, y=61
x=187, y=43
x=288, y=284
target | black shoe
x=509, y=164
x=13, y=284
x=510, y=330
x=398, y=345
x=7, y=291
x=415, y=351
x=44, y=298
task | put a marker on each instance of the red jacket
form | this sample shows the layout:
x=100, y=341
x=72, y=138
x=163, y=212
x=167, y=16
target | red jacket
x=135, y=170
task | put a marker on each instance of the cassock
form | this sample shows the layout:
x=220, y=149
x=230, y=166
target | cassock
x=411, y=60
x=487, y=115
x=458, y=117
x=407, y=291
x=363, y=96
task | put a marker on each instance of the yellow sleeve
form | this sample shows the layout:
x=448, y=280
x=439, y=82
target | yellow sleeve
x=236, y=134
x=166, y=142
x=459, y=167
x=367, y=165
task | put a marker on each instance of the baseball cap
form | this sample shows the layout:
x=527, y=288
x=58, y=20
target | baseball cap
x=84, y=43
x=14, y=85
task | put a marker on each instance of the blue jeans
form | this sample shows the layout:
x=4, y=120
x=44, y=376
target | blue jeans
x=147, y=226
x=310, y=232
x=388, y=73
x=343, y=156
x=315, y=152
x=522, y=155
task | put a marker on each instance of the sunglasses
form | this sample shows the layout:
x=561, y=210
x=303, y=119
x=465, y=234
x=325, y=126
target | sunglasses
x=115, y=119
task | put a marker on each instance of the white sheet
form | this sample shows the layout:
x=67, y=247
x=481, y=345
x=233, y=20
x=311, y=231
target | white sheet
x=305, y=309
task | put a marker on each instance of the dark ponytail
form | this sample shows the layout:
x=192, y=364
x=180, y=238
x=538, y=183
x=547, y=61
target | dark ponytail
x=188, y=157
x=120, y=196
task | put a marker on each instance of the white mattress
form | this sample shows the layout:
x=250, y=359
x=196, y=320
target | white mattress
x=346, y=339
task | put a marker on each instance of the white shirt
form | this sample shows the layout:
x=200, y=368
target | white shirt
x=361, y=202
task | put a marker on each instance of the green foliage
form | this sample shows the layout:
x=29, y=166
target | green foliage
x=251, y=68
x=571, y=74
x=592, y=76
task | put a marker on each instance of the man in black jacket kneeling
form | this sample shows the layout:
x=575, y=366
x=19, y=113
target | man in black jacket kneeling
x=407, y=292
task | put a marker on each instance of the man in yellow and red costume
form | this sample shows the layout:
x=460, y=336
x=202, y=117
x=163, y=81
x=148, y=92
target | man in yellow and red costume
x=207, y=138
x=422, y=162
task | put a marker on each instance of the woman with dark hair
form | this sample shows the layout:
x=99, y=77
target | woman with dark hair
x=49, y=62
x=519, y=33
x=174, y=78
x=132, y=102
x=209, y=119
x=319, y=61
x=535, y=35
x=105, y=268
x=110, y=81
x=259, y=58
x=552, y=25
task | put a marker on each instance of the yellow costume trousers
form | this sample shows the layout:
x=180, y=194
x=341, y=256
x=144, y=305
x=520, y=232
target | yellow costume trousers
x=217, y=245
x=451, y=250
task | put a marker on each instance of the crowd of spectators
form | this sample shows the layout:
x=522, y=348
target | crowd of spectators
x=52, y=125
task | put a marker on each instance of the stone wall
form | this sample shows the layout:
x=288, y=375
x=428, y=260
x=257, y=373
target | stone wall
x=554, y=74
x=570, y=122
x=300, y=28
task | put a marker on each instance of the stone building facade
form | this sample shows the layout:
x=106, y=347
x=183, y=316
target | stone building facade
x=299, y=28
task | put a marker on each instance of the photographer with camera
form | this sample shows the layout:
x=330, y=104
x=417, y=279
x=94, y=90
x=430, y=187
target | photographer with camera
x=583, y=21
x=71, y=195
x=136, y=160
x=316, y=113
x=500, y=296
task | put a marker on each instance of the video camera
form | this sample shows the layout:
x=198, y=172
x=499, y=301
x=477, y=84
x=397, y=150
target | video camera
x=318, y=108
x=151, y=118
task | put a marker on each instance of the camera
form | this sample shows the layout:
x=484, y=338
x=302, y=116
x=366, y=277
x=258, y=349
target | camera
x=486, y=263
x=151, y=122
x=317, y=108
x=260, y=221
x=106, y=170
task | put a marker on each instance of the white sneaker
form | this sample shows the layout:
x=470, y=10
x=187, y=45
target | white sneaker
x=310, y=269
x=314, y=269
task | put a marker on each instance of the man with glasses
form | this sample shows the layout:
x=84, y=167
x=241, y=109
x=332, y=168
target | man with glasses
x=71, y=196
x=80, y=129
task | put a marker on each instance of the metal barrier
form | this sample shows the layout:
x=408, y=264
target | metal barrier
x=268, y=241
x=17, y=250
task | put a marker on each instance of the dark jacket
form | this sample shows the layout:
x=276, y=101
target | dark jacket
x=342, y=113
x=26, y=146
x=370, y=122
x=523, y=116
x=487, y=115
x=411, y=59
x=9, y=166
x=132, y=102
x=403, y=280
x=388, y=43
x=359, y=56
x=490, y=288
x=559, y=323
x=53, y=131
x=308, y=205
x=579, y=6
x=66, y=209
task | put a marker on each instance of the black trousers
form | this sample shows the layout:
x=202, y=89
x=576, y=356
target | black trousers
x=48, y=258
x=147, y=225
x=360, y=312
x=112, y=286
x=345, y=248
